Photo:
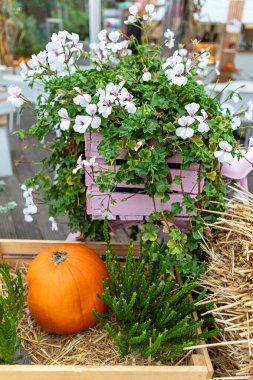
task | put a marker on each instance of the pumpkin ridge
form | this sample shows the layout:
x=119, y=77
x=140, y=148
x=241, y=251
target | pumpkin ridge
x=68, y=265
x=82, y=274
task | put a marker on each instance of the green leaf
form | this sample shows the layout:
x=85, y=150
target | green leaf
x=177, y=179
x=176, y=208
x=150, y=232
x=211, y=175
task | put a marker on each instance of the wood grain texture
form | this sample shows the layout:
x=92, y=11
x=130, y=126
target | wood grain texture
x=36, y=372
x=32, y=247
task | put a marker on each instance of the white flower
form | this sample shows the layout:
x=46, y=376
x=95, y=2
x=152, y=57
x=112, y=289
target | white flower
x=177, y=77
x=130, y=107
x=95, y=121
x=114, y=46
x=227, y=109
x=65, y=119
x=169, y=38
x=172, y=61
x=217, y=64
x=28, y=218
x=105, y=104
x=146, y=76
x=241, y=152
x=55, y=52
x=81, y=123
x=150, y=14
x=81, y=164
x=250, y=142
x=114, y=89
x=127, y=101
x=192, y=108
x=15, y=96
x=235, y=97
x=133, y=10
x=203, y=126
x=24, y=69
x=82, y=100
x=75, y=45
x=107, y=215
x=203, y=59
x=27, y=192
x=54, y=226
x=249, y=112
x=185, y=131
x=188, y=64
x=60, y=37
x=32, y=208
x=102, y=35
x=224, y=154
x=235, y=123
x=183, y=52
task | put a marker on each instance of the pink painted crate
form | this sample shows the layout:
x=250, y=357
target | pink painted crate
x=137, y=206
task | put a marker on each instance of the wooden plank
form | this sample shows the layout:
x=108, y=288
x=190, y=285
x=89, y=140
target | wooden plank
x=38, y=372
x=134, y=205
x=189, y=179
x=31, y=247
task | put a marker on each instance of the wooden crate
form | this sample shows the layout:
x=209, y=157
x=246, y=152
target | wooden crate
x=199, y=367
x=130, y=203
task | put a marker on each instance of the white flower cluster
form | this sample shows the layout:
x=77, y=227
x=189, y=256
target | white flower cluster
x=224, y=154
x=114, y=94
x=185, y=131
x=202, y=59
x=30, y=208
x=54, y=226
x=82, y=164
x=176, y=67
x=149, y=16
x=169, y=38
x=15, y=96
x=60, y=56
x=109, y=50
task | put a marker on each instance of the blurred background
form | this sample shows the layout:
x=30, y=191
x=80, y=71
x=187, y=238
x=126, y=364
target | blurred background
x=224, y=26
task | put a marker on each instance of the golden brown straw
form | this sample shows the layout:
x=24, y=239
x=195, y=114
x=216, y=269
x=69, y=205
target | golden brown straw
x=229, y=277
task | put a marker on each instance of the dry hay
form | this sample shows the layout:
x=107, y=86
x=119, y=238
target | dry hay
x=91, y=347
x=229, y=277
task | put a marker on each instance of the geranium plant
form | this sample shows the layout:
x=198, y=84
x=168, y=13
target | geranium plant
x=145, y=106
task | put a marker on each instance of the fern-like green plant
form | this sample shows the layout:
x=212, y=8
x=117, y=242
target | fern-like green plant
x=150, y=312
x=11, y=306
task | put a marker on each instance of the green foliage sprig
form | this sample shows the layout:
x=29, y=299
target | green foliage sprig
x=11, y=307
x=150, y=312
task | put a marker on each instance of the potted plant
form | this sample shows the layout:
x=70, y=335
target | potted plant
x=145, y=110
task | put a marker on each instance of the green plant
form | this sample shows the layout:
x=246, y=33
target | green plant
x=11, y=306
x=144, y=106
x=150, y=311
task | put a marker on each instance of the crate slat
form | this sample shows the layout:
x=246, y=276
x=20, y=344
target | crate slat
x=38, y=372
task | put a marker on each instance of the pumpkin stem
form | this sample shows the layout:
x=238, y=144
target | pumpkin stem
x=58, y=257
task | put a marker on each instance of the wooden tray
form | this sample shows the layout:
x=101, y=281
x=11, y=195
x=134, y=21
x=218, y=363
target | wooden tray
x=199, y=367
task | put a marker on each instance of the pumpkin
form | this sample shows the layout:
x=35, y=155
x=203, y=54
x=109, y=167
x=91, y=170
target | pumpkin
x=63, y=283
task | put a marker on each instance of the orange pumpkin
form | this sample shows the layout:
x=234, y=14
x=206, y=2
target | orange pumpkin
x=63, y=283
